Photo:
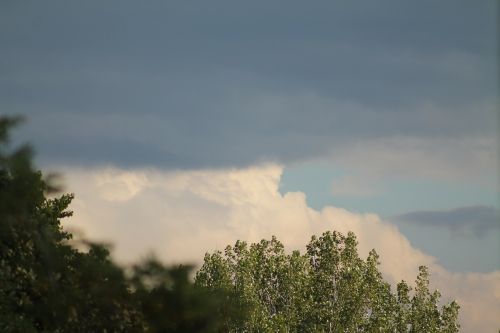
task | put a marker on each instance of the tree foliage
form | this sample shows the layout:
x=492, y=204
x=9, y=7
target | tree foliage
x=47, y=285
x=327, y=289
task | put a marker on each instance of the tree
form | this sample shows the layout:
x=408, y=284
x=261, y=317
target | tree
x=328, y=289
x=47, y=285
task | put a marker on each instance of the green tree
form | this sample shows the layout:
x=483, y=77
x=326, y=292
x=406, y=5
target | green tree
x=328, y=289
x=170, y=302
x=46, y=285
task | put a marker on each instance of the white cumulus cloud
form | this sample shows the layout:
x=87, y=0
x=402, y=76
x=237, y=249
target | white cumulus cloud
x=180, y=215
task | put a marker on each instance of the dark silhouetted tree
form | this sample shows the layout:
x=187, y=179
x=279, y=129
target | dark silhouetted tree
x=47, y=285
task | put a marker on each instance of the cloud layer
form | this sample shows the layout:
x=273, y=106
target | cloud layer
x=182, y=214
x=225, y=84
x=476, y=219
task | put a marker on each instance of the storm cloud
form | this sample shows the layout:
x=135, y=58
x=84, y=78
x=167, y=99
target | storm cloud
x=218, y=84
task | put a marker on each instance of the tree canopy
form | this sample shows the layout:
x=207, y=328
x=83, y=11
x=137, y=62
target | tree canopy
x=48, y=285
x=327, y=289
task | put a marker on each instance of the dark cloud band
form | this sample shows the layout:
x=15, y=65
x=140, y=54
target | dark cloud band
x=222, y=83
x=478, y=219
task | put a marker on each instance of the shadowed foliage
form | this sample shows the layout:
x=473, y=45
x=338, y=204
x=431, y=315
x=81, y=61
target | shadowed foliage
x=47, y=285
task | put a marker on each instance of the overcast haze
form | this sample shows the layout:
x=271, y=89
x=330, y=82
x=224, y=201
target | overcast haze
x=387, y=110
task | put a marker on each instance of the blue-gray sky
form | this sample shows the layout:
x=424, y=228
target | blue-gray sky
x=395, y=102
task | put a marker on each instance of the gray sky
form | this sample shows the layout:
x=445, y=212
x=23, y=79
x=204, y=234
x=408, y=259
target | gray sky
x=184, y=84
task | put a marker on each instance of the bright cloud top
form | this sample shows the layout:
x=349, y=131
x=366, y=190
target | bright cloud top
x=180, y=215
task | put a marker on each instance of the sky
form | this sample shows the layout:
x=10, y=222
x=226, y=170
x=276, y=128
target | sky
x=182, y=126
